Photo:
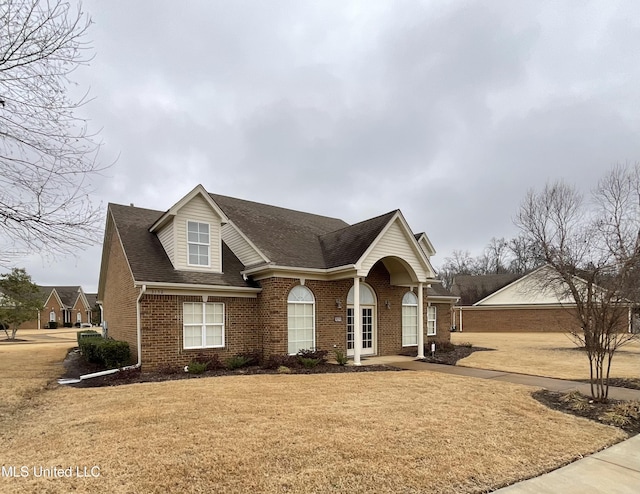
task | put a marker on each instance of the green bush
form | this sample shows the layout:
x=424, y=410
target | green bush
x=68, y=325
x=341, y=357
x=309, y=363
x=106, y=351
x=88, y=331
x=237, y=361
x=196, y=367
x=53, y=325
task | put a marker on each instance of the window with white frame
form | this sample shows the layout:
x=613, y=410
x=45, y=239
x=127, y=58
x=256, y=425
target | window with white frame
x=79, y=317
x=52, y=316
x=198, y=243
x=300, y=319
x=431, y=320
x=409, y=319
x=203, y=325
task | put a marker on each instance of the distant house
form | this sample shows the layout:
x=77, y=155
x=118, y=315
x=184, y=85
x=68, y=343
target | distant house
x=513, y=303
x=62, y=305
x=216, y=275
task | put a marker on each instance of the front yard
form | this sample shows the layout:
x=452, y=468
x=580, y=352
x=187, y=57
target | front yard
x=363, y=432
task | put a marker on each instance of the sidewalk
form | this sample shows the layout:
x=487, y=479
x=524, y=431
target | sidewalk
x=615, y=470
x=541, y=382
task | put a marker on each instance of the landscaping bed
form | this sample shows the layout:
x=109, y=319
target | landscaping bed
x=447, y=353
x=75, y=366
x=622, y=414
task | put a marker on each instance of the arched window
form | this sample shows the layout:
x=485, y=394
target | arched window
x=367, y=297
x=301, y=319
x=409, y=319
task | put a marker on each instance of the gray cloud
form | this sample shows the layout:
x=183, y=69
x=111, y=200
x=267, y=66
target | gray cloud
x=449, y=111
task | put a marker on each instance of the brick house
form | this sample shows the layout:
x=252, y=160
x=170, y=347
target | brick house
x=220, y=275
x=62, y=304
x=513, y=303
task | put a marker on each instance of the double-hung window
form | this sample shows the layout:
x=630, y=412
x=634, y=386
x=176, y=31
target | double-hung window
x=431, y=320
x=198, y=243
x=203, y=325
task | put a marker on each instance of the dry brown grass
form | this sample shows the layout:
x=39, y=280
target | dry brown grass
x=366, y=432
x=542, y=354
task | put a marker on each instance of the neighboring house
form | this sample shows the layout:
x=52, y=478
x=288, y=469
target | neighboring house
x=62, y=304
x=513, y=303
x=219, y=275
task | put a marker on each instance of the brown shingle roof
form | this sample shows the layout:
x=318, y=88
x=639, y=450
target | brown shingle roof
x=346, y=246
x=68, y=294
x=148, y=260
x=285, y=236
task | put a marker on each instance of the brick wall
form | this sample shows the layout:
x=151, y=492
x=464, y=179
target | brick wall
x=517, y=320
x=331, y=321
x=161, y=319
x=119, y=298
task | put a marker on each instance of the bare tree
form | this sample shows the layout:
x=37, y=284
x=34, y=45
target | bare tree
x=592, y=248
x=47, y=156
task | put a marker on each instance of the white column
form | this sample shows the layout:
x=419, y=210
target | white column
x=420, y=322
x=357, y=322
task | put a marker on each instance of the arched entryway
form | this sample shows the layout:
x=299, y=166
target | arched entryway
x=368, y=319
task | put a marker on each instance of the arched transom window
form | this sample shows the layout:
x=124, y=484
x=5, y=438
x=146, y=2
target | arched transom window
x=409, y=319
x=367, y=297
x=301, y=319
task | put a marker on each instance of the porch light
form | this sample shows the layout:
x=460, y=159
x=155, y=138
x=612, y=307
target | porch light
x=387, y=304
x=338, y=303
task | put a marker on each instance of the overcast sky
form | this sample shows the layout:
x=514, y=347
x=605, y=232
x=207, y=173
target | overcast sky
x=447, y=110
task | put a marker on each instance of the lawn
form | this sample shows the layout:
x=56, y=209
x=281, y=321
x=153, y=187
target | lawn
x=366, y=432
x=542, y=354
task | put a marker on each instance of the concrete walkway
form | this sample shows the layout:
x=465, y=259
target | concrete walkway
x=615, y=470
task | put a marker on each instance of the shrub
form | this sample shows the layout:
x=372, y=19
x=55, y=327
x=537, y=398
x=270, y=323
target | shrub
x=277, y=361
x=212, y=361
x=309, y=363
x=90, y=334
x=68, y=325
x=466, y=344
x=196, y=367
x=237, y=362
x=341, y=357
x=106, y=351
x=441, y=347
x=53, y=325
x=253, y=358
x=283, y=369
x=320, y=355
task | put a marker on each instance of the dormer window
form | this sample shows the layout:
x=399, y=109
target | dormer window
x=198, y=243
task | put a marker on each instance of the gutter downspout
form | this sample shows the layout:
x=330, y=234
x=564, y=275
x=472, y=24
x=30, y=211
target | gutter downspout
x=129, y=367
x=138, y=325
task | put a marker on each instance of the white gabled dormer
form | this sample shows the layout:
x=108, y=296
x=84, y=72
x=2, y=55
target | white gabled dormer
x=190, y=232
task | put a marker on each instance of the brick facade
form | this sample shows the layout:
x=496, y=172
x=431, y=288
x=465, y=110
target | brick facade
x=119, y=300
x=516, y=320
x=254, y=324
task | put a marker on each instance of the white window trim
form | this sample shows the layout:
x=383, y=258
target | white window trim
x=203, y=326
x=208, y=245
x=434, y=320
x=313, y=318
x=402, y=324
x=52, y=316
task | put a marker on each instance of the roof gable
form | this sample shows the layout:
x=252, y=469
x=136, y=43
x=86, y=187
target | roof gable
x=530, y=289
x=148, y=260
x=198, y=190
x=397, y=241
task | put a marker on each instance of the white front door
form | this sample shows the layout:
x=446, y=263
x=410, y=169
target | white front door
x=367, y=313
